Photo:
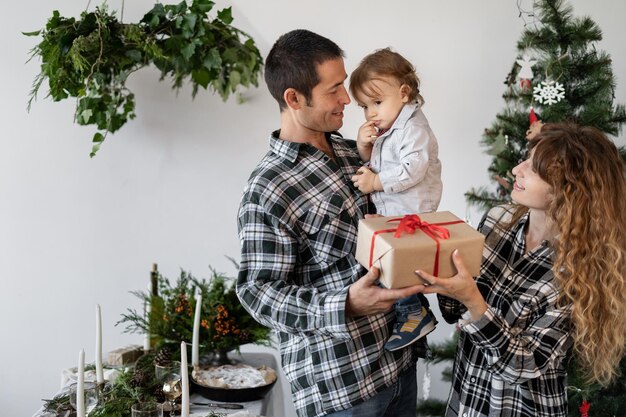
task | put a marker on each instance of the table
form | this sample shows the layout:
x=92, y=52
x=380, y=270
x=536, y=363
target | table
x=269, y=406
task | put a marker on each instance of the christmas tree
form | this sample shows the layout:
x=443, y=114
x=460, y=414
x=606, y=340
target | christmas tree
x=559, y=75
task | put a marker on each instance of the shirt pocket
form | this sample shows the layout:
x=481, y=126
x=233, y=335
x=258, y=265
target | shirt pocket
x=329, y=229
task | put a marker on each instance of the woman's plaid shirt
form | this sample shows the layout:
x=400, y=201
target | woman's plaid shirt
x=510, y=362
x=298, y=222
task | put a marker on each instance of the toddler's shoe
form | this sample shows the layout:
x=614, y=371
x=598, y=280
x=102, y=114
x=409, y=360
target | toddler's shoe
x=416, y=326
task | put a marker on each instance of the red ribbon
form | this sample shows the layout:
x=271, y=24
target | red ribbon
x=409, y=224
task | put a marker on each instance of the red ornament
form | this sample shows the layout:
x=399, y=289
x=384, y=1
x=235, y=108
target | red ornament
x=584, y=409
x=525, y=83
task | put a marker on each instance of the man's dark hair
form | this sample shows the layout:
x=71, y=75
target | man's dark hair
x=292, y=63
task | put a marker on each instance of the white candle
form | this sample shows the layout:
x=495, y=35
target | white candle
x=147, y=309
x=184, y=378
x=146, y=336
x=195, y=341
x=99, y=371
x=80, y=385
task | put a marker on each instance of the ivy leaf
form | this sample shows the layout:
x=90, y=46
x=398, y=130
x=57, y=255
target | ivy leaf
x=213, y=59
x=134, y=54
x=55, y=20
x=234, y=79
x=181, y=7
x=152, y=18
x=178, y=22
x=188, y=50
x=35, y=33
x=154, y=21
x=230, y=55
x=201, y=77
x=86, y=115
x=203, y=6
x=226, y=15
x=97, y=140
x=190, y=23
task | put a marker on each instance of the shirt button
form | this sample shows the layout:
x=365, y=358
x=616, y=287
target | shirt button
x=464, y=414
x=473, y=379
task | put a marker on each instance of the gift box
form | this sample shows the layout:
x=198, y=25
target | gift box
x=400, y=245
x=124, y=355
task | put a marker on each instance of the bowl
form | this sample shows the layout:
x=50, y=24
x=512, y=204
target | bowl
x=233, y=383
x=232, y=394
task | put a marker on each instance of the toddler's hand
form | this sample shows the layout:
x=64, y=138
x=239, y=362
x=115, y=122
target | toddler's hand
x=367, y=134
x=366, y=181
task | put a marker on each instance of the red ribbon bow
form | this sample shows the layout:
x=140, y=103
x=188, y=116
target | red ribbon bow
x=409, y=224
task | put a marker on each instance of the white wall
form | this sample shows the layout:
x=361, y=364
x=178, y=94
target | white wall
x=76, y=231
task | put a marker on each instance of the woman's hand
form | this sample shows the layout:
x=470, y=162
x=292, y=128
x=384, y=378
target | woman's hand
x=461, y=287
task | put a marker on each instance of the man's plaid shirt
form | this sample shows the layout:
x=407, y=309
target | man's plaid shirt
x=510, y=362
x=298, y=223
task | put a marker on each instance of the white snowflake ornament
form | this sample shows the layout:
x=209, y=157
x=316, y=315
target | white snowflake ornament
x=549, y=92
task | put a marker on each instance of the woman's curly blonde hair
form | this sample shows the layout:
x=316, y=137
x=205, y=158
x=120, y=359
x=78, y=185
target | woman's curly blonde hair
x=586, y=173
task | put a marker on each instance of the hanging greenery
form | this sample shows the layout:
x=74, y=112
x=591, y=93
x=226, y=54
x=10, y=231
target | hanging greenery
x=92, y=57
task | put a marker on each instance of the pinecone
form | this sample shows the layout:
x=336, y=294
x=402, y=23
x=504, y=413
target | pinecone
x=158, y=394
x=139, y=379
x=163, y=356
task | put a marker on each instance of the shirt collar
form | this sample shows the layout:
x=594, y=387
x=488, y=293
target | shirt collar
x=520, y=237
x=284, y=148
x=289, y=150
x=403, y=117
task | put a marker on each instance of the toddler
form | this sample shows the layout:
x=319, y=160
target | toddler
x=403, y=175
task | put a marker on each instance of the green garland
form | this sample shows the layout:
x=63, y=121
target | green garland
x=117, y=398
x=92, y=57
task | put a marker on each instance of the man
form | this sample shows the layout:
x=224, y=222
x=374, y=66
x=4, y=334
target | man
x=298, y=222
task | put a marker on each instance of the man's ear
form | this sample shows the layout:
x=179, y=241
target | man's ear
x=292, y=98
x=405, y=90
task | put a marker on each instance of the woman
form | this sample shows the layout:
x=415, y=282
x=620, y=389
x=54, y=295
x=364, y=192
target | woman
x=552, y=278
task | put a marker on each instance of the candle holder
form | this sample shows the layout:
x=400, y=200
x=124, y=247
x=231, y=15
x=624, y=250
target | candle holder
x=91, y=396
x=169, y=376
x=217, y=358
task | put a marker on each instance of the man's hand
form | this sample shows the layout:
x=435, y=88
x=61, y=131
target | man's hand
x=365, y=297
x=366, y=181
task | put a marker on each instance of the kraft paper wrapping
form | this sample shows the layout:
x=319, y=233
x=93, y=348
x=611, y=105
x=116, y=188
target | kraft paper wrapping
x=398, y=258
